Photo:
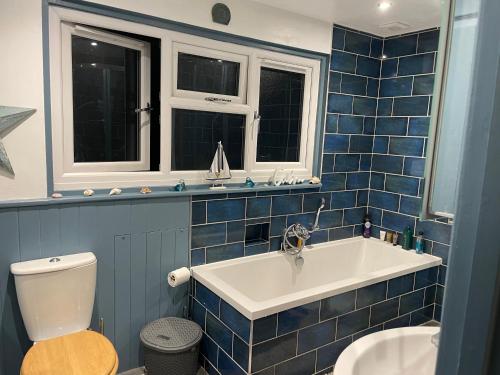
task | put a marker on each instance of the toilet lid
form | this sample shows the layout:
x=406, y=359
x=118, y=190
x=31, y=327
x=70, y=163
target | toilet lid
x=81, y=353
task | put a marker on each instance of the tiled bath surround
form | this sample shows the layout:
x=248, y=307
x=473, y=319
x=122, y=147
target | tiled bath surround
x=307, y=339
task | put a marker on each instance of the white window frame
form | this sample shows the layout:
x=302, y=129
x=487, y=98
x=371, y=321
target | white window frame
x=171, y=98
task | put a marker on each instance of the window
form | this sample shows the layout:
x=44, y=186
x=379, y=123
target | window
x=138, y=105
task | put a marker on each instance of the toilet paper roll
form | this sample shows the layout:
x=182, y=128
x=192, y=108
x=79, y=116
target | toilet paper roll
x=179, y=276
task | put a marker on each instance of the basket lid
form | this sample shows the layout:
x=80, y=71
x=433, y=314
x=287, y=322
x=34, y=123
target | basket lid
x=171, y=335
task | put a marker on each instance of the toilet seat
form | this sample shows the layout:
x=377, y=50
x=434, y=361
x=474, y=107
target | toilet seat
x=80, y=353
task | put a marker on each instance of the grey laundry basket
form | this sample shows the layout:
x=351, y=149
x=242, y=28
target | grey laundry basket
x=171, y=346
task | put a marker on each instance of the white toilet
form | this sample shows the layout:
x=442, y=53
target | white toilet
x=56, y=297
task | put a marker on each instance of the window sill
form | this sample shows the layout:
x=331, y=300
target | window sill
x=158, y=192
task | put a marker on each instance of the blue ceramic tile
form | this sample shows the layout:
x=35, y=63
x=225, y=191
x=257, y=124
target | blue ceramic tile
x=357, y=43
x=338, y=38
x=441, y=251
x=198, y=313
x=400, y=46
x=306, y=220
x=275, y=244
x=358, y=180
x=367, y=332
x=317, y=335
x=224, y=252
x=414, y=167
x=377, y=181
x=439, y=296
x=264, y=328
x=368, y=67
x=350, y=124
x=422, y=316
x=197, y=257
x=227, y=366
x=312, y=201
x=365, y=162
x=428, y=41
x=389, y=68
x=408, y=146
x=334, y=82
x=353, y=84
x=396, y=86
x=380, y=145
x=330, y=219
x=442, y=275
x=343, y=199
x=397, y=222
x=247, y=194
x=435, y=231
x=376, y=48
x=343, y=62
x=371, y=294
x=331, y=123
x=328, y=355
x=225, y=210
x=437, y=313
x=369, y=126
x=209, y=349
x=387, y=163
x=319, y=237
x=207, y=298
x=199, y=212
x=384, y=107
x=353, y=322
x=287, y=204
x=333, y=181
x=205, y=197
x=338, y=103
x=391, y=126
x=419, y=126
x=278, y=223
x=304, y=364
x=410, y=205
x=328, y=163
x=384, y=311
x=411, y=106
x=361, y=143
x=423, y=85
x=274, y=351
x=402, y=321
x=207, y=235
x=402, y=184
x=362, y=198
x=364, y=106
x=346, y=163
x=354, y=216
x=235, y=231
x=340, y=233
x=258, y=207
x=372, y=87
x=210, y=369
x=411, y=302
x=336, y=143
x=384, y=200
x=219, y=333
x=298, y=317
x=417, y=64
x=376, y=215
x=254, y=249
x=338, y=305
x=400, y=285
x=240, y=352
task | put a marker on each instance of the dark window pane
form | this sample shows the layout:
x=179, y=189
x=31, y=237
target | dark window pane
x=105, y=96
x=280, y=108
x=205, y=74
x=195, y=137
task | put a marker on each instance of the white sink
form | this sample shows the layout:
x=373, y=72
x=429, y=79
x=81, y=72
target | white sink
x=400, y=351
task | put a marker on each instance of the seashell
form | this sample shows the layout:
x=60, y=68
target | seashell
x=145, y=190
x=88, y=192
x=115, y=191
x=315, y=180
x=56, y=195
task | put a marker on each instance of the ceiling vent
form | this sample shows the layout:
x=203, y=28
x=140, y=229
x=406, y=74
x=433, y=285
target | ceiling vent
x=395, y=27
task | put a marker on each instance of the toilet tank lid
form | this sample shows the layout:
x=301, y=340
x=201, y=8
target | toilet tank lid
x=52, y=264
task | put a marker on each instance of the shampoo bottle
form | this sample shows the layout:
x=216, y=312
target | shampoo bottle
x=367, y=227
x=407, y=238
x=419, y=244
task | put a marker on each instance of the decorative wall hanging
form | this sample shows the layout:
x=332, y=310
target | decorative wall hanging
x=9, y=118
x=221, y=14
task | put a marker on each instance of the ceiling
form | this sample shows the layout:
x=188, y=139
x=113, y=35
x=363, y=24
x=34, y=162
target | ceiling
x=364, y=15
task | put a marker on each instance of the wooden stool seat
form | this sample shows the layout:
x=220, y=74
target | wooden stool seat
x=80, y=353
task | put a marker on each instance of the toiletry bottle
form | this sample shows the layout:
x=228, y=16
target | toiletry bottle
x=367, y=227
x=407, y=238
x=395, y=236
x=419, y=243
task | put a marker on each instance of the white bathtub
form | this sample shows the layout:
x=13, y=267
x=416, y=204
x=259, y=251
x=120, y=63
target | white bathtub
x=264, y=284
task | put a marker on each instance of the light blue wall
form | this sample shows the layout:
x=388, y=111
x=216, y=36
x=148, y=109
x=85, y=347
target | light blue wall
x=136, y=242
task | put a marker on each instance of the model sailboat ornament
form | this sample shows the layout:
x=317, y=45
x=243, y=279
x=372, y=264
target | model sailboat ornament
x=219, y=170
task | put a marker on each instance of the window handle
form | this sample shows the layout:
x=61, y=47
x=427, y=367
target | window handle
x=147, y=108
x=255, y=124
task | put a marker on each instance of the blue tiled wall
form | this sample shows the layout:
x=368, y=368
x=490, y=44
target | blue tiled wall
x=307, y=339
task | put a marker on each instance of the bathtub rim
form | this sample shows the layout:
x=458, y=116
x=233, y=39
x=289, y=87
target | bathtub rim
x=254, y=310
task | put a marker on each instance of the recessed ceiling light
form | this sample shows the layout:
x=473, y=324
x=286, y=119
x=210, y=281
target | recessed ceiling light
x=93, y=44
x=384, y=5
